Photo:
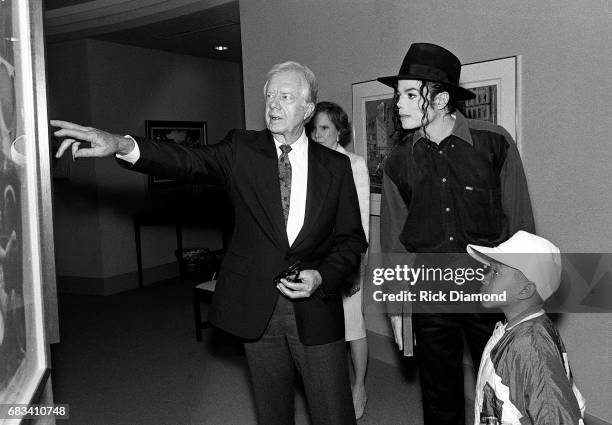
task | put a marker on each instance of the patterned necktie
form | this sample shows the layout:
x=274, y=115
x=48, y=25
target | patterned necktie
x=284, y=176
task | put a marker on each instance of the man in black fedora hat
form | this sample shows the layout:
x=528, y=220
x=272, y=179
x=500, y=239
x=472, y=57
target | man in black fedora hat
x=450, y=182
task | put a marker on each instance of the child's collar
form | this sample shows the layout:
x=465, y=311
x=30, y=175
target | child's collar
x=530, y=313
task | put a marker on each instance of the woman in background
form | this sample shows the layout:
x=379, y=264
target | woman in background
x=330, y=127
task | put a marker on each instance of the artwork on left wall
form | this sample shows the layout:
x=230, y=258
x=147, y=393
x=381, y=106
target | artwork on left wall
x=25, y=205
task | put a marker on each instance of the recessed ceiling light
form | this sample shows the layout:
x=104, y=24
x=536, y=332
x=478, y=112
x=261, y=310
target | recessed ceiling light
x=221, y=48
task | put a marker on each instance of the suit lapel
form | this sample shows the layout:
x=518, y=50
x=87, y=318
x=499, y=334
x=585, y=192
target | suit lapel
x=266, y=188
x=319, y=180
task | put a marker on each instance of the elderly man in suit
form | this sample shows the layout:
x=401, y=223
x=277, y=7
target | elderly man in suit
x=294, y=200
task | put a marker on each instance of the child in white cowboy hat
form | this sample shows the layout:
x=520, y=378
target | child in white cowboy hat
x=524, y=375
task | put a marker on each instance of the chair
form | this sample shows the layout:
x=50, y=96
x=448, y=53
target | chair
x=200, y=265
x=196, y=264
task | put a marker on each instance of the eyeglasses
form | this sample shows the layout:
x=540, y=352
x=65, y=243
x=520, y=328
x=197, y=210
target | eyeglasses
x=497, y=270
x=494, y=270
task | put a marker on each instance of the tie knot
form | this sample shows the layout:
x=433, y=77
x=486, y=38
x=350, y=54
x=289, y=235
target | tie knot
x=285, y=149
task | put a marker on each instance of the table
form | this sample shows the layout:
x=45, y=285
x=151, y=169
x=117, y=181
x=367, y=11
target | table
x=220, y=215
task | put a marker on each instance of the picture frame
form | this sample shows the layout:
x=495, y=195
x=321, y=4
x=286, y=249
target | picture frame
x=186, y=133
x=374, y=132
x=496, y=84
x=497, y=87
x=27, y=259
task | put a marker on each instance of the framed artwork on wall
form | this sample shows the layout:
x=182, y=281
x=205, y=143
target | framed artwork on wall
x=26, y=238
x=186, y=133
x=495, y=83
x=374, y=131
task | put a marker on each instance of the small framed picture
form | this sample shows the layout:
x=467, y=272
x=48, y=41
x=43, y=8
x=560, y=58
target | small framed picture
x=186, y=133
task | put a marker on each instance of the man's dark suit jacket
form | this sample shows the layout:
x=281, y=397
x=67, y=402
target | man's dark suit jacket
x=330, y=241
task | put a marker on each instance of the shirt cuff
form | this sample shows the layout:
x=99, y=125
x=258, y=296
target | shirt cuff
x=132, y=156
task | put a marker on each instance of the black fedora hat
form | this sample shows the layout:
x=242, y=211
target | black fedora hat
x=429, y=62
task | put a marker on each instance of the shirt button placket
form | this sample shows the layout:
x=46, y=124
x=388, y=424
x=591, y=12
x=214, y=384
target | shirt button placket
x=446, y=192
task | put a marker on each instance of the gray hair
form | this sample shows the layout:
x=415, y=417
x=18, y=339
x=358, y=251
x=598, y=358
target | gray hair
x=309, y=77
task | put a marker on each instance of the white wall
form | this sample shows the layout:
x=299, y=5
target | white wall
x=120, y=87
x=565, y=115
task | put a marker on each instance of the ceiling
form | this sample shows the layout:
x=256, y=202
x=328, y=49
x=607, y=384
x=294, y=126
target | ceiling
x=181, y=27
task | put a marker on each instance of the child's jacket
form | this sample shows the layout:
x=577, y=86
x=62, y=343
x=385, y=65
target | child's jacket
x=525, y=378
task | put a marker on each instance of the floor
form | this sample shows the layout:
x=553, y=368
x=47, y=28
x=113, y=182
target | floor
x=132, y=358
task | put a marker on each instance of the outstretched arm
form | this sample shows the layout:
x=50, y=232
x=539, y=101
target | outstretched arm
x=168, y=160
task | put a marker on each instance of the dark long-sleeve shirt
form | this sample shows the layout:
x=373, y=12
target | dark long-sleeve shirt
x=468, y=189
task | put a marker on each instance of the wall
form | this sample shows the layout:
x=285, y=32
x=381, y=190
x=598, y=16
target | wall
x=75, y=207
x=120, y=87
x=565, y=105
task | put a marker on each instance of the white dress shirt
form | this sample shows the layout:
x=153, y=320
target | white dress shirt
x=298, y=157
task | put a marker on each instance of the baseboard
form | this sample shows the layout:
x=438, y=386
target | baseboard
x=127, y=281
x=114, y=284
x=80, y=285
